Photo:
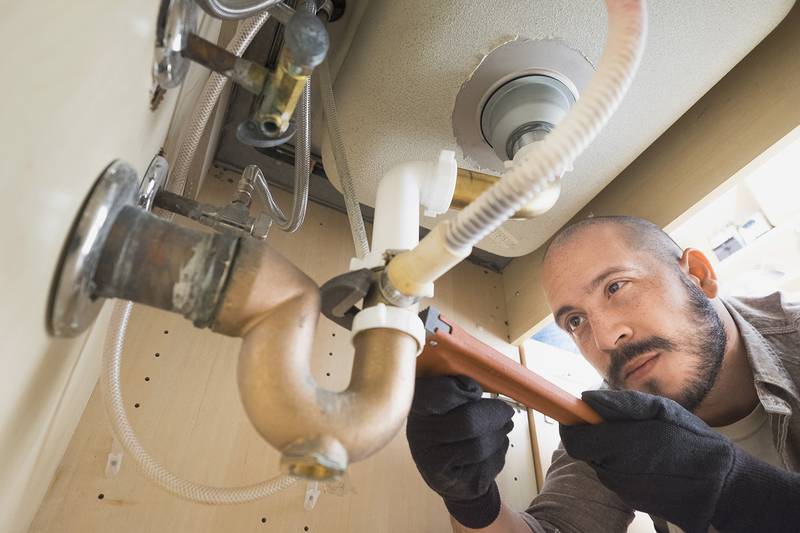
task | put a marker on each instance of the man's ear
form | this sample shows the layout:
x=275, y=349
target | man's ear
x=696, y=265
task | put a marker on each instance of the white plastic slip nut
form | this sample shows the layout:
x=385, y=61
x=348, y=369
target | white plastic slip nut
x=371, y=260
x=383, y=316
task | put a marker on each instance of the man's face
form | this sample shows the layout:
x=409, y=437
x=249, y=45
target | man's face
x=641, y=323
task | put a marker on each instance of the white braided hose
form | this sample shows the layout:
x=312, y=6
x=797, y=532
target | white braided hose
x=203, y=109
x=152, y=469
x=357, y=230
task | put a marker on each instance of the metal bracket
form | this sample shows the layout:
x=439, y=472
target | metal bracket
x=433, y=322
x=73, y=307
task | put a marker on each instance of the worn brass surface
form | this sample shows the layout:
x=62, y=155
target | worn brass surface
x=274, y=307
x=281, y=95
x=470, y=184
x=246, y=289
x=151, y=261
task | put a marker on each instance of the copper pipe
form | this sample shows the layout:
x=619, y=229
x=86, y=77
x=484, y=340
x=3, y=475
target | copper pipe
x=274, y=307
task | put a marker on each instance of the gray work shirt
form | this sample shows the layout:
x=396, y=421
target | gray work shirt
x=574, y=500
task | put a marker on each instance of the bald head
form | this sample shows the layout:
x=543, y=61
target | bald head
x=637, y=233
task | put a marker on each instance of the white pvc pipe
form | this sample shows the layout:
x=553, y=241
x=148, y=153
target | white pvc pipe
x=401, y=193
x=396, y=224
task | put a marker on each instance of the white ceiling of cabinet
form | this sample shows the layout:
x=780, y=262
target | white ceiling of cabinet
x=408, y=59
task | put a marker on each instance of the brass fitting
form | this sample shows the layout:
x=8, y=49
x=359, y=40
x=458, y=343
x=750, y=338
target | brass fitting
x=155, y=262
x=244, y=288
x=306, y=46
x=470, y=184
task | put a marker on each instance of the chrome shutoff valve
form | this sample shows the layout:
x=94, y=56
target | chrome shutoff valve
x=234, y=217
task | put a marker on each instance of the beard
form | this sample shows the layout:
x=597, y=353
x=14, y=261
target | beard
x=705, y=345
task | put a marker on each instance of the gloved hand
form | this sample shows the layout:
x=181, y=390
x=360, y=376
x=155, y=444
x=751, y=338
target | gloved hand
x=458, y=441
x=661, y=459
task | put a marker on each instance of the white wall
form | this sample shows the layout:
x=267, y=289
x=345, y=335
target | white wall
x=75, y=97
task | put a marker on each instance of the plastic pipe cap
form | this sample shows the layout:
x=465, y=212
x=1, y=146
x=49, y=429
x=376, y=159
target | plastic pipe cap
x=389, y=317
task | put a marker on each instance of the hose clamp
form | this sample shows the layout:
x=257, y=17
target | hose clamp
x=393, y=295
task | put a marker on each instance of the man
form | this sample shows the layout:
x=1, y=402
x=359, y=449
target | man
x=702, y=410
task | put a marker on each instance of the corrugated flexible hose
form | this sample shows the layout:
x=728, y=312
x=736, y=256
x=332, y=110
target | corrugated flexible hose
x=549, y=159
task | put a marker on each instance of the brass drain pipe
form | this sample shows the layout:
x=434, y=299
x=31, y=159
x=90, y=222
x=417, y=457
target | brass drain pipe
x=244, y=288
x=274, y=307
x=470, y=184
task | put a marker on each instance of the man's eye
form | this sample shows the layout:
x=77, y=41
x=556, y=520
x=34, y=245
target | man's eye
x=574, y=322
x=614, y=287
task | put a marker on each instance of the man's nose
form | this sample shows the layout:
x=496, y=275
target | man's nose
x=610, y=332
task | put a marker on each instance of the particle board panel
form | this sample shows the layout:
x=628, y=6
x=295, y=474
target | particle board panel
x=190, y=417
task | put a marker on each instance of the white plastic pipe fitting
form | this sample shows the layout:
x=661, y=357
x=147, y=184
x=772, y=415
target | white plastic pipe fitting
x=397, y=318
x=400, y=194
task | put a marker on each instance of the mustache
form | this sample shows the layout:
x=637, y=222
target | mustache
x=621, y=356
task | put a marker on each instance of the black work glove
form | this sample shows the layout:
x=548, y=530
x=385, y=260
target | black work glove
x=458, y=441
x=661, y=459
